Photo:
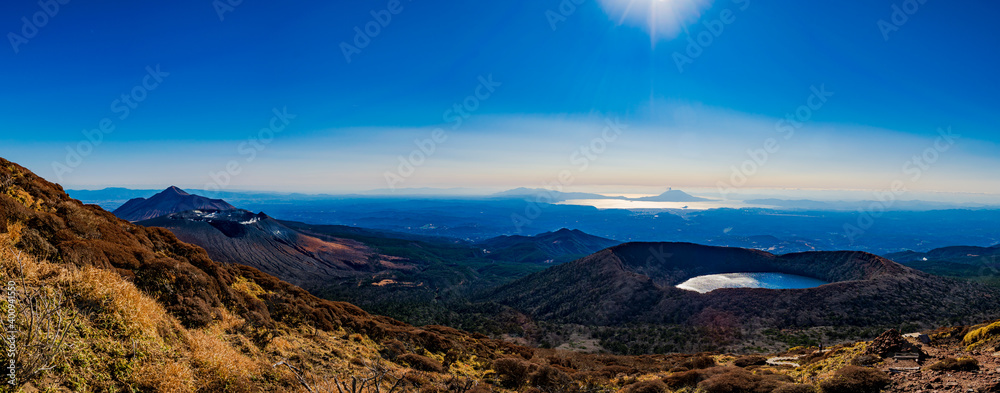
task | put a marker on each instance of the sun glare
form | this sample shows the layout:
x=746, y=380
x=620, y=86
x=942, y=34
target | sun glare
x=662, y=19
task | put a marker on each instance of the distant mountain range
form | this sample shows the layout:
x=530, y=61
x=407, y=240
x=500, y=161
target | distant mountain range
x=771, y=244
x=671, y=196
x=475, y=219
x=910, y=205
x=980, y=264
x=545, y=195
x=956, y=254
x=560, y=246
x=549, y=196
x=171, y=200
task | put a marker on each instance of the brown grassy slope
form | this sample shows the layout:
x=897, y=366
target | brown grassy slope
x=181, y=276
x=198, y=292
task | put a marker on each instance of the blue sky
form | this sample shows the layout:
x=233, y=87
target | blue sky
x=352, y=120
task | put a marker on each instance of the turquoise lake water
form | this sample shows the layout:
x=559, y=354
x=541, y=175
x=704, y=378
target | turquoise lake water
x=712, y=282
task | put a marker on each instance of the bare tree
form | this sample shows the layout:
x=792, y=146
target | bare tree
x=37, y=320
x=297, y=373
x=5, y=182
x=376, y=378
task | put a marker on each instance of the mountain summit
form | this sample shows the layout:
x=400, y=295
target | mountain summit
x=169, y=201
x=672, y=195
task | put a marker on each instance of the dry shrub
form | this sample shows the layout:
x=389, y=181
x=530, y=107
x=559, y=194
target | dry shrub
x=691, y=378
x=247, y=287
x=41, y=315
x=770, y=381
x=854, y=379
x=614, y=371
x=32, y=242
x=560, y=361
x=816, y=356
x=698, y=362
x=795, y=388
x=656, y=386
x=590, y=380
x=9, y=239
x=415, y=379
x=392, y=349
x=120, y=305
x=952, y=364
x=727, y=380
x=736, y=380
x=219, y=365
x=512, y=372
x=865, y=360
x=683, y=379
x=170, y=377
x=550, y=379
x=421, y=363
x=750, y=360
x=978, y=336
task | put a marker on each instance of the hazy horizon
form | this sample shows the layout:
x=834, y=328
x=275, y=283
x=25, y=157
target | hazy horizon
x=819, y=195
x=592, y=98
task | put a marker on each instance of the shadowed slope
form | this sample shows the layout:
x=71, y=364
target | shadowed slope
x=242, y=237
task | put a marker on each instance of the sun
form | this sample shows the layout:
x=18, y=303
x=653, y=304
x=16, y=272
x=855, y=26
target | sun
x=662, y=19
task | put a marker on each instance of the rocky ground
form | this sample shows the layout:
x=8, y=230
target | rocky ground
x=986, y=379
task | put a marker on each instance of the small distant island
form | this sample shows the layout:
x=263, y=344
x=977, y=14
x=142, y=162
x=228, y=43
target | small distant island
x=671, y=195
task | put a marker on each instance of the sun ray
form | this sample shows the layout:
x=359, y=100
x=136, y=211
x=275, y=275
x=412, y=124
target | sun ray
x=661, y=19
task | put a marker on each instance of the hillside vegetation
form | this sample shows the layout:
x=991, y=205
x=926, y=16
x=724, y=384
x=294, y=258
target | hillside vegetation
x=135, y=305
x=103, y=305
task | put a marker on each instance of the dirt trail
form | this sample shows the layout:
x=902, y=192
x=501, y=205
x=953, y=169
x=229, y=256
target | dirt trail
x=784, y=361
